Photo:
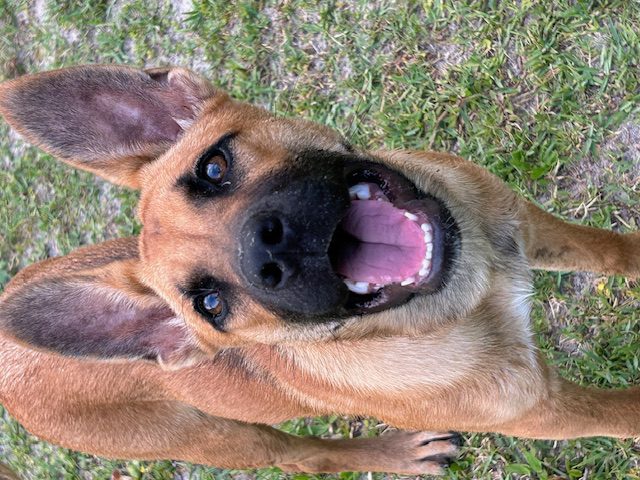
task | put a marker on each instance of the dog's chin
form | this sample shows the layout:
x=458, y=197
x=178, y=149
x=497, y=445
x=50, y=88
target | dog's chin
x=394, y=242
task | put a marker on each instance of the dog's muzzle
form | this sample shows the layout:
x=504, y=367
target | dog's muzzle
x=339, y=235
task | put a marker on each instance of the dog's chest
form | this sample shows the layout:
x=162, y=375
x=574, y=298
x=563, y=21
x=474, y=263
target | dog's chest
x=330, y=375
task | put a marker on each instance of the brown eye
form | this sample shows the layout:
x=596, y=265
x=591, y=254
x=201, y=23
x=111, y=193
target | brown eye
x=214, y=168
x=214, y=165
x=212, y=306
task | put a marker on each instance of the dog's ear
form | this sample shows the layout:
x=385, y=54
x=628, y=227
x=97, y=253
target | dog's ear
x=92, y=304
x=106, y=119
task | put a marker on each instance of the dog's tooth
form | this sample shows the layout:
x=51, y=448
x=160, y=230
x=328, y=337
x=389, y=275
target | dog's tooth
x=425, y=267
x=425, y=227
x=360, y=191
x=357, y=287
x=407, y=281
x=411, y=216
x=428, y=237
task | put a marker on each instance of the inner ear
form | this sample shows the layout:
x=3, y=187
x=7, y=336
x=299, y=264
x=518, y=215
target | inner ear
x=96, y=317
x=106, y=119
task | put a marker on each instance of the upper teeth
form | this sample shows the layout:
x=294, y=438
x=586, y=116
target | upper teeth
x=425, y=268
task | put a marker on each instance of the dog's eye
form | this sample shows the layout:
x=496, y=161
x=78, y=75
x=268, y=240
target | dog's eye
x=212, y=306
x=213, y=170
x=213, y=166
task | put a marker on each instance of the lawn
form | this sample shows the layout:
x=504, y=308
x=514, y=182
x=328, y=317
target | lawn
x=544, y=94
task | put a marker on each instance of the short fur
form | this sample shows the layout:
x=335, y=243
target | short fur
x=103, y=351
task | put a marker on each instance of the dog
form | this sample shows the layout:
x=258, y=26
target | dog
x=282, y=272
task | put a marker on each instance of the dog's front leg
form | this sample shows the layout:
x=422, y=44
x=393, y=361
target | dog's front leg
x=553, y=244
x=172, y=430
x=571, y=411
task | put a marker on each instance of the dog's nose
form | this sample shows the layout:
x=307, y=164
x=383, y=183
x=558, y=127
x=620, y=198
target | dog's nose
x=284, y=237
x=269, y=247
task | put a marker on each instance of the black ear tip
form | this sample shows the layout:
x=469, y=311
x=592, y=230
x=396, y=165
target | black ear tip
x=456, y=439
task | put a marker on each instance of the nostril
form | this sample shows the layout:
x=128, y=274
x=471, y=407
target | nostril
x=272, y=231
x=271, y=274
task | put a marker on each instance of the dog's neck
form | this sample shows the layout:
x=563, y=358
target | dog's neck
x=370, y=366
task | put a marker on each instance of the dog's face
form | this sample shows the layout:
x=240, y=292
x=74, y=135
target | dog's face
x=263, y=229
x=266, y=229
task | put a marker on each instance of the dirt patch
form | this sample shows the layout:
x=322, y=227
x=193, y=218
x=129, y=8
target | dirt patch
x=181, y=7
x=445, y=56
x=285, y=79
x=625, y=142
x=196, y=59
x=16, y=146
x=612, y=178
x=618, y=162
x=111, y=206
x=560, y=319
x=583, y=284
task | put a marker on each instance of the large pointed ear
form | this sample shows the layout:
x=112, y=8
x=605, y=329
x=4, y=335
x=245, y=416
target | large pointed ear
x=109, y=120
x=91, y=304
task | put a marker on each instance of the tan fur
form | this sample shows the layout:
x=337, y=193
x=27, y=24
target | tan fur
x=459, y=359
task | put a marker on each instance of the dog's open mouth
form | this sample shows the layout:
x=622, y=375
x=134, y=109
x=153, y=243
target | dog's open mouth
x=393, y=241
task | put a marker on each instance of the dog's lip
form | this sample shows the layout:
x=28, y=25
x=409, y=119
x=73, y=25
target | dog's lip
x=421, y=207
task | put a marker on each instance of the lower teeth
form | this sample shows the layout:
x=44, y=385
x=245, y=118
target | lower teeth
x=363, y=288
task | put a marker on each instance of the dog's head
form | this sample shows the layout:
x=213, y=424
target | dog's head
x=255, y=228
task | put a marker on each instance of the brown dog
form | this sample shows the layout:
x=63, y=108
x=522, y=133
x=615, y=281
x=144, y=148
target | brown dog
x=281, y=272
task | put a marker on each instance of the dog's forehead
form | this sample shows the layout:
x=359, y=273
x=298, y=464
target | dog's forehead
x=261, y=140
x=255, y=127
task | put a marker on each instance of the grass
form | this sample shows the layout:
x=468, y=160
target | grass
x=544, y=94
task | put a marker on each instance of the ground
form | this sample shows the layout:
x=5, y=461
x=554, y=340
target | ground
x=543, y=93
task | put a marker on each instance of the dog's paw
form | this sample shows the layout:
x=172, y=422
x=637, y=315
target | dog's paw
x=419, y=453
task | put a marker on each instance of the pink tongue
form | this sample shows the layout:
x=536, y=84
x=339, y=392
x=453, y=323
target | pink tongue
x=390, y=247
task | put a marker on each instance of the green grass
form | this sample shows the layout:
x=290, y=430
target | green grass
x=544, y=94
